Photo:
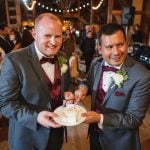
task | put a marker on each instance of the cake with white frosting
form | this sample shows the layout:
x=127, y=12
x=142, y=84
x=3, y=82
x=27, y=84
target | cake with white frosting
x=70, y=114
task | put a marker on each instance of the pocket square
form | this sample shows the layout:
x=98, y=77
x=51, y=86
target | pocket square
x=119, y=93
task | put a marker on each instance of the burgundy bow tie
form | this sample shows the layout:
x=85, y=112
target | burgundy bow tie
x=50, y=60
x=108, y=68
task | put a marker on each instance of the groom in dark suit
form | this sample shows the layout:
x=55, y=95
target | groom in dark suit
x=120, y=93
x=33, y=83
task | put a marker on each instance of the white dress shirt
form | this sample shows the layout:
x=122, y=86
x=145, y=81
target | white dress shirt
x=107, y=80
x=47, y=67
x=107, y=77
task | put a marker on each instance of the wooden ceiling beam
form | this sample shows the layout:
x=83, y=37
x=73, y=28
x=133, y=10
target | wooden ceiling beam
x=118, y=12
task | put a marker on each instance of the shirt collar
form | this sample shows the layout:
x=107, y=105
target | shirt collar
x=117, y=67
x=38, y=52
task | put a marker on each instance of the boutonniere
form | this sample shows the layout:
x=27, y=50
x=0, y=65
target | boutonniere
x=63, y=64
x=120, y=77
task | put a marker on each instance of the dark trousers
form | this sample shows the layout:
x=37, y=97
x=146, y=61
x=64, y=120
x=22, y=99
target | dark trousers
x=94, y=139
x=56, y=139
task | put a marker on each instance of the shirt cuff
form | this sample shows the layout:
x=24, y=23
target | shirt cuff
x=83, y=86
x=100, y=124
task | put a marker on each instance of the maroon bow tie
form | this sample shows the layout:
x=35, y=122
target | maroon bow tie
x=50, y=60
x=108, y=68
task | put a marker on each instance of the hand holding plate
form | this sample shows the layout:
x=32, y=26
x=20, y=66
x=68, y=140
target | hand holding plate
x=45, y=118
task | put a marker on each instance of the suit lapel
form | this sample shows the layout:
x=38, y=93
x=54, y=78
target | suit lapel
x=62, y=76
x=110, y=91
x=96, y=77
x=127, y=66
x=97, y=73
x=34, y=62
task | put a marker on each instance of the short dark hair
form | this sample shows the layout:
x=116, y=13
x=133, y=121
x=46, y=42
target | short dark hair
x=2, y=26
x=109, y=29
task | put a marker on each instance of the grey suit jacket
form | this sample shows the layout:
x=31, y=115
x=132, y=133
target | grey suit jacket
x=123, y=108
x=23, y=94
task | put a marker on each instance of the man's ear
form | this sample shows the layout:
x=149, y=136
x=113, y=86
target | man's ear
x=33, y=33
x=99, y=49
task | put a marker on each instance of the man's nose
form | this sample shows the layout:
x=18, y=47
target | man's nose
x=53, y=40
x=115, y=50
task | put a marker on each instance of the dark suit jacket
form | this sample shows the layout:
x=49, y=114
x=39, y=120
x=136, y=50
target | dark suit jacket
x=5, y=45
x=23, y=94
x=123, y=108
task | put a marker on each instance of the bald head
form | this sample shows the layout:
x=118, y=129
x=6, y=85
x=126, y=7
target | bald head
x=45, y=16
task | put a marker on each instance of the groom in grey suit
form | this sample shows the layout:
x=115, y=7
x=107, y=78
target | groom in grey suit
x=120, y=94
x=33, y=83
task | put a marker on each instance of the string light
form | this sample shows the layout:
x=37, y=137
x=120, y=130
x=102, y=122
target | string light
x=51, y=9
x=99, y=4
x=29, y=7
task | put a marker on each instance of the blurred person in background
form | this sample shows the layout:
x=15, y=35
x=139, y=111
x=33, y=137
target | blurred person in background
x=14, y=36
x=2, y=54
x=27, y=37
x=68, y=43
x=87, y=47
x=138, y=35
x=73, y=66
x=4, y=42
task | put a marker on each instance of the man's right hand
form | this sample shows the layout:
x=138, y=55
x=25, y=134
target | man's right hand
x=80, y=94
x=45, y=118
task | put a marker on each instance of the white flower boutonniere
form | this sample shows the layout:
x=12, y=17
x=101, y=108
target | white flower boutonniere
x=119, y=77
x=62, y=63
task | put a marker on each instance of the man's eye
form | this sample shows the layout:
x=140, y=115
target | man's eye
x=58, y=37
x=47, y=36
x=109, y=47
x=120, y=45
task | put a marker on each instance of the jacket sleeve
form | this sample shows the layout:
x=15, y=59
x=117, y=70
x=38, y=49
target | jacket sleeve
x=136, y=101
x=10, y=99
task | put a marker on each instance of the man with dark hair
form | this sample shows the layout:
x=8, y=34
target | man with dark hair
x=4, y=43
x=120, y=94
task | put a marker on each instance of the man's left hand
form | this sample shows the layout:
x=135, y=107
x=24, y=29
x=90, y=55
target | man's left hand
x=91, y=117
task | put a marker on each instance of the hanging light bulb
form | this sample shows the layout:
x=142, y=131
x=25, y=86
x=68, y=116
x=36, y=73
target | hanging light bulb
x=99, y=4
x=29, y=7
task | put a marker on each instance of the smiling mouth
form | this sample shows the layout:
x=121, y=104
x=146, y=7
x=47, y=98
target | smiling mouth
x=52, y=47
x=116, y=59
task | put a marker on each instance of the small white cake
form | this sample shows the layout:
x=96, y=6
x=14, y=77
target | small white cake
x=70, y=114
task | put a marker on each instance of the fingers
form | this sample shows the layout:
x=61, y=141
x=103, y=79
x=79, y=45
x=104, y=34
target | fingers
x=68, y=102
x=79, y=95
x=45, y=118
x=69, y=96
x=91, y=117
x=53, y=124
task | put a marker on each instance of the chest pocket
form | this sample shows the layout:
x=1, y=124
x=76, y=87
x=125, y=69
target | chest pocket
x=118, y=102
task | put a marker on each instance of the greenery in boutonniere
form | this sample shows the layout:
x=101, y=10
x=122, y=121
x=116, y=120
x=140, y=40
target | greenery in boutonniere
x=119, y=77
x=63, y=64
